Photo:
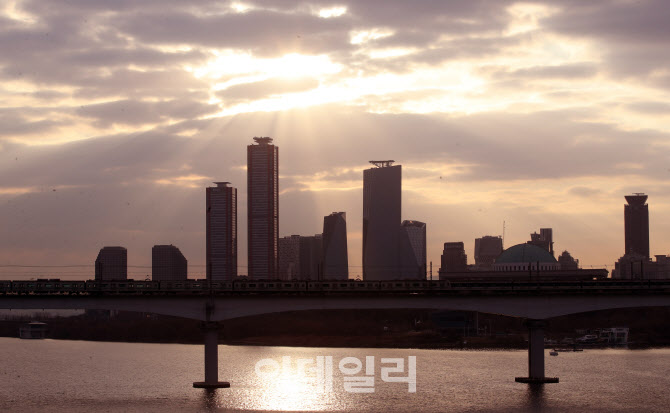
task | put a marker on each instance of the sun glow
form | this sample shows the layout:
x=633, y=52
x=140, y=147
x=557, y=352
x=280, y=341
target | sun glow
x=332, y=12
x=364, y=36
x=291, y=65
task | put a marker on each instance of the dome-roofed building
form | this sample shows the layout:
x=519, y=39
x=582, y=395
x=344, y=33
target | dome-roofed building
x=525, y=257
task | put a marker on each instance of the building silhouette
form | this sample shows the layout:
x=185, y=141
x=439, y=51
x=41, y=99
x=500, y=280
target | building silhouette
x=487, y=249
x=636, y=221
x=382, y=186
x=263, y=208
x=221, y=232
x=167, y=263
x=453, y=258
x=301, y=257
x=289, y=257
x=335, y=253
x=525, y=262
x=545, y=239
x=111, y=264
x=567, y=262
x=636, y=262
x=526, y=258
x=311, y=257
x=638, y=267
x=413, y=250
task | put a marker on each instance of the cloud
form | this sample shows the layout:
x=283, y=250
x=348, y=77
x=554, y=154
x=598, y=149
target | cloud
x=130, y=112
x=584, y=191
x=12, y=124
x=650, y=108
x=266, y=88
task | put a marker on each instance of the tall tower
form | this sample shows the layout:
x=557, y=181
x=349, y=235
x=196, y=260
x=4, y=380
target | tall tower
x=263, y=208
x=636, y=219
x=111, y=264
x=413, y=250
x=335, y=254
x=167, y=263
x=221, y=225
x=382, y=186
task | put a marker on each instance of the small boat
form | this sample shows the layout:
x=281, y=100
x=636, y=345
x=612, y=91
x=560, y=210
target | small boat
x=553, y=353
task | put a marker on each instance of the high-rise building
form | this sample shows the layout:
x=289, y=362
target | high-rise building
x=289, y=258
x=311, y=257
x=263, y=208
x=487, y=249
x=636, y=220
x=544, y=239
x=167, y=263
x=111, y=264
x=413, y=250
x=335, y=254
x=453, y=258
x=221, y=230
x=382, y=187
x=301, y=257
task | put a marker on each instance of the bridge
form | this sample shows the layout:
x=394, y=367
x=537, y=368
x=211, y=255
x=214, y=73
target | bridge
x=535, y=302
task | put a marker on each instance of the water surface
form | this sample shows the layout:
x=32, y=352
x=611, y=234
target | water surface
x=80, y=376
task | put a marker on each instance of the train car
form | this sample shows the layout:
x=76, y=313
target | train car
x=293, y=286
x=121, y=287
x=338, y=285
x=257, y=286
x=23, y=287
x=5, y=287
x=395, y=286
x=57, y=286
x=73, y=287
x=143, y=287
x=182, y=287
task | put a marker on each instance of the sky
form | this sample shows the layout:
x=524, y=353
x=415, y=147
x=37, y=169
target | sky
x=115, y=116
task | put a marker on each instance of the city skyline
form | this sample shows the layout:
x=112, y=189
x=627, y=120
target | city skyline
x=534, y=114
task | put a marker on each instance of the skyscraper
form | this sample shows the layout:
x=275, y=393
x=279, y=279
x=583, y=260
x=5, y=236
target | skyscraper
x=311, y=257
x=382, y=186
x=636, y=219
x=413, y=250
x=263, y=208
x=300, y=257
x=111, y=264
x=221, y=229
x=487, y=249
x=167, y=263
x=289, y=258
x=453, y=258
x=335, y=254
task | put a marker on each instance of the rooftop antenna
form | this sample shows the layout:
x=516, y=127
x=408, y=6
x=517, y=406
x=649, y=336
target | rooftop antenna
x=382, y=164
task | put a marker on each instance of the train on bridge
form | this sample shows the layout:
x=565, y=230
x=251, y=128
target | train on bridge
x=246, y=286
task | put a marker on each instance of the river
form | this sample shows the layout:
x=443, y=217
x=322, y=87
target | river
x=80, y=376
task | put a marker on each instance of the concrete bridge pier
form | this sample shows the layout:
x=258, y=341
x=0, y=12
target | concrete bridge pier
x=536, y=354
x=211, y=330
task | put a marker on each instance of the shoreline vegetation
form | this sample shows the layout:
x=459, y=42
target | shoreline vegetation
x=411, y=329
